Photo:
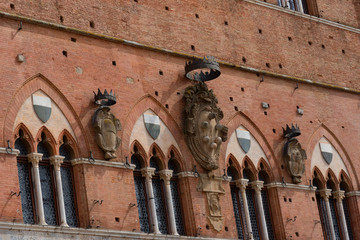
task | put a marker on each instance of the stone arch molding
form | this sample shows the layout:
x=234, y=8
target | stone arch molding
x=337, y=164
x=341, y=163
x=63, y=116
x=164, y=141
x=255, y=152
x=259, y=150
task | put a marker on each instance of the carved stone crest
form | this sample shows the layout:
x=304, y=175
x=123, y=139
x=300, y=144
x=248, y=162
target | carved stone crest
x=203, y=132
x=294, y=154
x=106, y=125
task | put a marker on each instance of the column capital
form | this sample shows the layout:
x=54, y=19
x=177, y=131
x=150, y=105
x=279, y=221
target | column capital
x=35, y=158
x=166, y=175
x=242, y=183
x=325, y=193
x=56, y=160
x=339, y=195
x=148, y=172
x=257, y=185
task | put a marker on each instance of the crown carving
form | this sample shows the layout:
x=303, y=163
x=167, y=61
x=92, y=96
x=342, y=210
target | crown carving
x=105, y=99
x=207, y=62
x=294, y=131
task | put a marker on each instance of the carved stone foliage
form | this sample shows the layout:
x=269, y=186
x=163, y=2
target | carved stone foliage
x=204, y=134
x=106, y=126
x=294, y=154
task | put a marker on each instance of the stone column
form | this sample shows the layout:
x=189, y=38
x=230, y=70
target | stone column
x=35, y=158
x=166, y=175
x=325, y=194
x=148, y=172
x=257, y=186
x=299, y=5
x=56, y=161
x=241, y=184
x=339, y=196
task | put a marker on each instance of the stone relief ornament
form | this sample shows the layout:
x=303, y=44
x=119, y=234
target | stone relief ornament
x=106, y=124
x=203, y=132
x=212, y=186
x=326, y=152
x=216, y=219
x=294, y=154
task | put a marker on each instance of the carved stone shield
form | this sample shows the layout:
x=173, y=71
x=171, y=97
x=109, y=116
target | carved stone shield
x=152, y=125
x=42, y=107
x=326, y=151
x=243, y=138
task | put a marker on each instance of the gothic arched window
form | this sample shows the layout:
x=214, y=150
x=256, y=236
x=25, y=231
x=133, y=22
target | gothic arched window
x=47, y=182
x=237, y=201
x=25, y=180
x=140, y=191
x=67, y=183
x=176, y=201
x=263, y=176
x=159, y=196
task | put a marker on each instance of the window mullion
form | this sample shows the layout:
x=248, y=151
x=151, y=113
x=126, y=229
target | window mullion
x=56, y=161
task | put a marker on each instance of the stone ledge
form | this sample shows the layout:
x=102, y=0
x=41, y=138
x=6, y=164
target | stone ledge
x=27, y=232
x=101, y=163
x=353, y=193
x=13, y=152
x=186, y=55
x=290, y=186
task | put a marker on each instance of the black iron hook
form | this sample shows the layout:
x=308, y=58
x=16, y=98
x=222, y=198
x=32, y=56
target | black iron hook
x=8, y=148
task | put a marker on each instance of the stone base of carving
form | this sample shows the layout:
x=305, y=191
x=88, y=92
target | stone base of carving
x=210, y=184
x=296, y=179
x=216, y=222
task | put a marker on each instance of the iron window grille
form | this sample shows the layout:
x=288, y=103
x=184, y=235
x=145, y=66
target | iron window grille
x=141, y=199
x=238, y=211
x=178, y=211
x=25, y=182
x=67, y=180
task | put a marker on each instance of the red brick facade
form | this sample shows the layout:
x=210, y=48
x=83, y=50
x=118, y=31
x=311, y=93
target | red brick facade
x=306, y=62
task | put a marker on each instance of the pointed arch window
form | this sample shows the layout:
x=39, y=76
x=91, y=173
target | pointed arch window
x=47, y=182
x=250, y=196
x=345, y=202
x=175, y=193
x=67, y=179
x=140, y=191
x=25, y=180
x=322, y=208
x=159, y=196
x=333, y=209
x=263, y=176
x=304, y=6
x=237, y=201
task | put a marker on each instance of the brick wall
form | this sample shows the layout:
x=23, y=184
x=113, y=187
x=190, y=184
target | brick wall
x=70, y=80
x=227, y=30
